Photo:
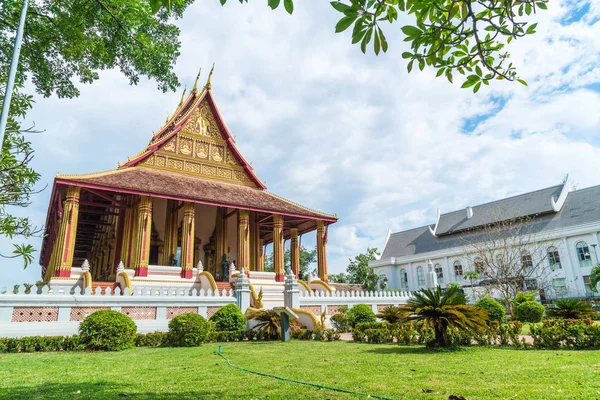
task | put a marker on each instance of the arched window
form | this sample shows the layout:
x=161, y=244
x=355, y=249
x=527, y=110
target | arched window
x=403, y=279
x=439, y=272
x=458, y=269
x=420, y=276
x=553, y=258
x=478, y=265
x=526, y=262
x=583, y=254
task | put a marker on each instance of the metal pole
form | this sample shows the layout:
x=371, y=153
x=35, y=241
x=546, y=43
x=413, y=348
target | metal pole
x=12, y=72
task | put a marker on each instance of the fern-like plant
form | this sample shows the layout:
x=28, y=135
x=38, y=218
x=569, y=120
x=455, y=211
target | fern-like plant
x=444, y=310
x=267, y=322
x=571, y=309
x=391, y=314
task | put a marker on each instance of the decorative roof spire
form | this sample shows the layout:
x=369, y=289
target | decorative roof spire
x=207, y=85
x=182, y=96
x=195, y=89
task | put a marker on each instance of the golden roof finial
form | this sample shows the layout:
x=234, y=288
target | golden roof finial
x=118, y=164
x=195, y=89
x=182, y=96
x=167, y=120
x=58, y=172
x=207, y=85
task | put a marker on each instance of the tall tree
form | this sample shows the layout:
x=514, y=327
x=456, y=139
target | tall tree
x=452, y=36
x=510, y=255
x=358, y=271
x=70, y=41
x=307, y=259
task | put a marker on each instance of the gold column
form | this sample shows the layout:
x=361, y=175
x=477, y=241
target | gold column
x=221, y=243
x=63, y=258
x=294, y=252
x=188, y=230
x=243, y=240
x=127, y=239
x=143, y=234
x=321, y=252
x=171, y=220
x=278, y=247
x=261, y=255
x=253, y=243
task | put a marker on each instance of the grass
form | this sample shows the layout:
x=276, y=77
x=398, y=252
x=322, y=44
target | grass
x=385, y=370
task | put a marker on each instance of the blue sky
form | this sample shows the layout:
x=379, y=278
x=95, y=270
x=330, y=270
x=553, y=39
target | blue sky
x=348, y=133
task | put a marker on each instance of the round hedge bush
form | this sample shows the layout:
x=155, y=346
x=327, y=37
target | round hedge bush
x=496, y=311
x=529, y=311
x=360, y=313
x=107, y=330
x=188, y=330
x=229, y=318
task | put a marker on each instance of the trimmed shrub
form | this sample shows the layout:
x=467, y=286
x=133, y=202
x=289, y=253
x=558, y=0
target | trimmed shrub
x=229, y=318
x=496, y=311
x=571, y=334
x=107, y=330
x=339, y=322
x=32, y=344
x=153, y=339
x=227, y=336
x=188, y=330
x=360, y=313
x=529, y=311
x=522, y=298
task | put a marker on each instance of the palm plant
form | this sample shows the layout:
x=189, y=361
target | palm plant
x=595, y=277
x=268, y=322
x=390, y=314
x=442, y=311
x=571, y=309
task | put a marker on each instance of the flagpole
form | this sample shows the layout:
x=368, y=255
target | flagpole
x=10, y=84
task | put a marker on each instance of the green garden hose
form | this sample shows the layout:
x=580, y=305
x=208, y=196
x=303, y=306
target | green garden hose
x=300, y=382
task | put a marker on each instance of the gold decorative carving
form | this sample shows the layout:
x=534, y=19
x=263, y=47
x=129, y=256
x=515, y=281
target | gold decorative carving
x=209, y=170
x=217, y=154
x=202, y=151
x=175, y=164
x=185, y=147
x=170, y=145
x=160, y=161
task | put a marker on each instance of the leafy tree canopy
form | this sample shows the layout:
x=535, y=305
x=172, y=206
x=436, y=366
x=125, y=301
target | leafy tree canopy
x=452, y=36
x=307, y=258
x=358, y=271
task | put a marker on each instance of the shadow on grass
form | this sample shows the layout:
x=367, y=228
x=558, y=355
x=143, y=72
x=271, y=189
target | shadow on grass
x=97, y=390
x=396, y=349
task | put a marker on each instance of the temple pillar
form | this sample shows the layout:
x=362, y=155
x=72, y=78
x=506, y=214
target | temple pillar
x=170, y=236
x=261, y=255
x=243, y=255
x=294, y=252
x=188, y=230
x=253, y=263
x=221, y=242
x=321, y=251
x=143, y=233
x=278, y=250
x=65, y=242
x=127, y=241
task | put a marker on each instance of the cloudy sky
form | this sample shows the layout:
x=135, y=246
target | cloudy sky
x=346, y=133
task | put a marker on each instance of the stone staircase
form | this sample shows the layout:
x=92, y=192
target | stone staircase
x=224, y=285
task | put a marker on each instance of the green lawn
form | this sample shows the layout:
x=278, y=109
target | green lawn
x=386, y=370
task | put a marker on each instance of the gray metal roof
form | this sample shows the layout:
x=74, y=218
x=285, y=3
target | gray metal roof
x=580, y=207
x=527, y=204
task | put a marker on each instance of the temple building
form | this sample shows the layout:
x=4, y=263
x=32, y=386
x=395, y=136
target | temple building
x=564, y=229
x=187, y=204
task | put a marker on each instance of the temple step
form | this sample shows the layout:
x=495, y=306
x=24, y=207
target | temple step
x=224, y=285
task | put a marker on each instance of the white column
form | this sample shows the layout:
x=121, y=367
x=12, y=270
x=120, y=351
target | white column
x=570, y=266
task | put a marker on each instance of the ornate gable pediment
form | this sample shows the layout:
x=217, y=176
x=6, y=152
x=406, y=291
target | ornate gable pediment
x=199, y=149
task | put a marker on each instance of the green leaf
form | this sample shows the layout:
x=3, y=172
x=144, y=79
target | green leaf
x=421, y=64
x=528, y=9
x=406, y=54
x=289, y=6
x=366, y=40
x=522, y=82
x=341, y=7
x=409, y=66
x=273, y=4
x=478, y=70
x=344, y=23
x=384, y=43
x=440, y=72
x=531, y=28
x=223, y=2
x=476, y=88
x=377, y=44
x=411, y=31
x=542, y=5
